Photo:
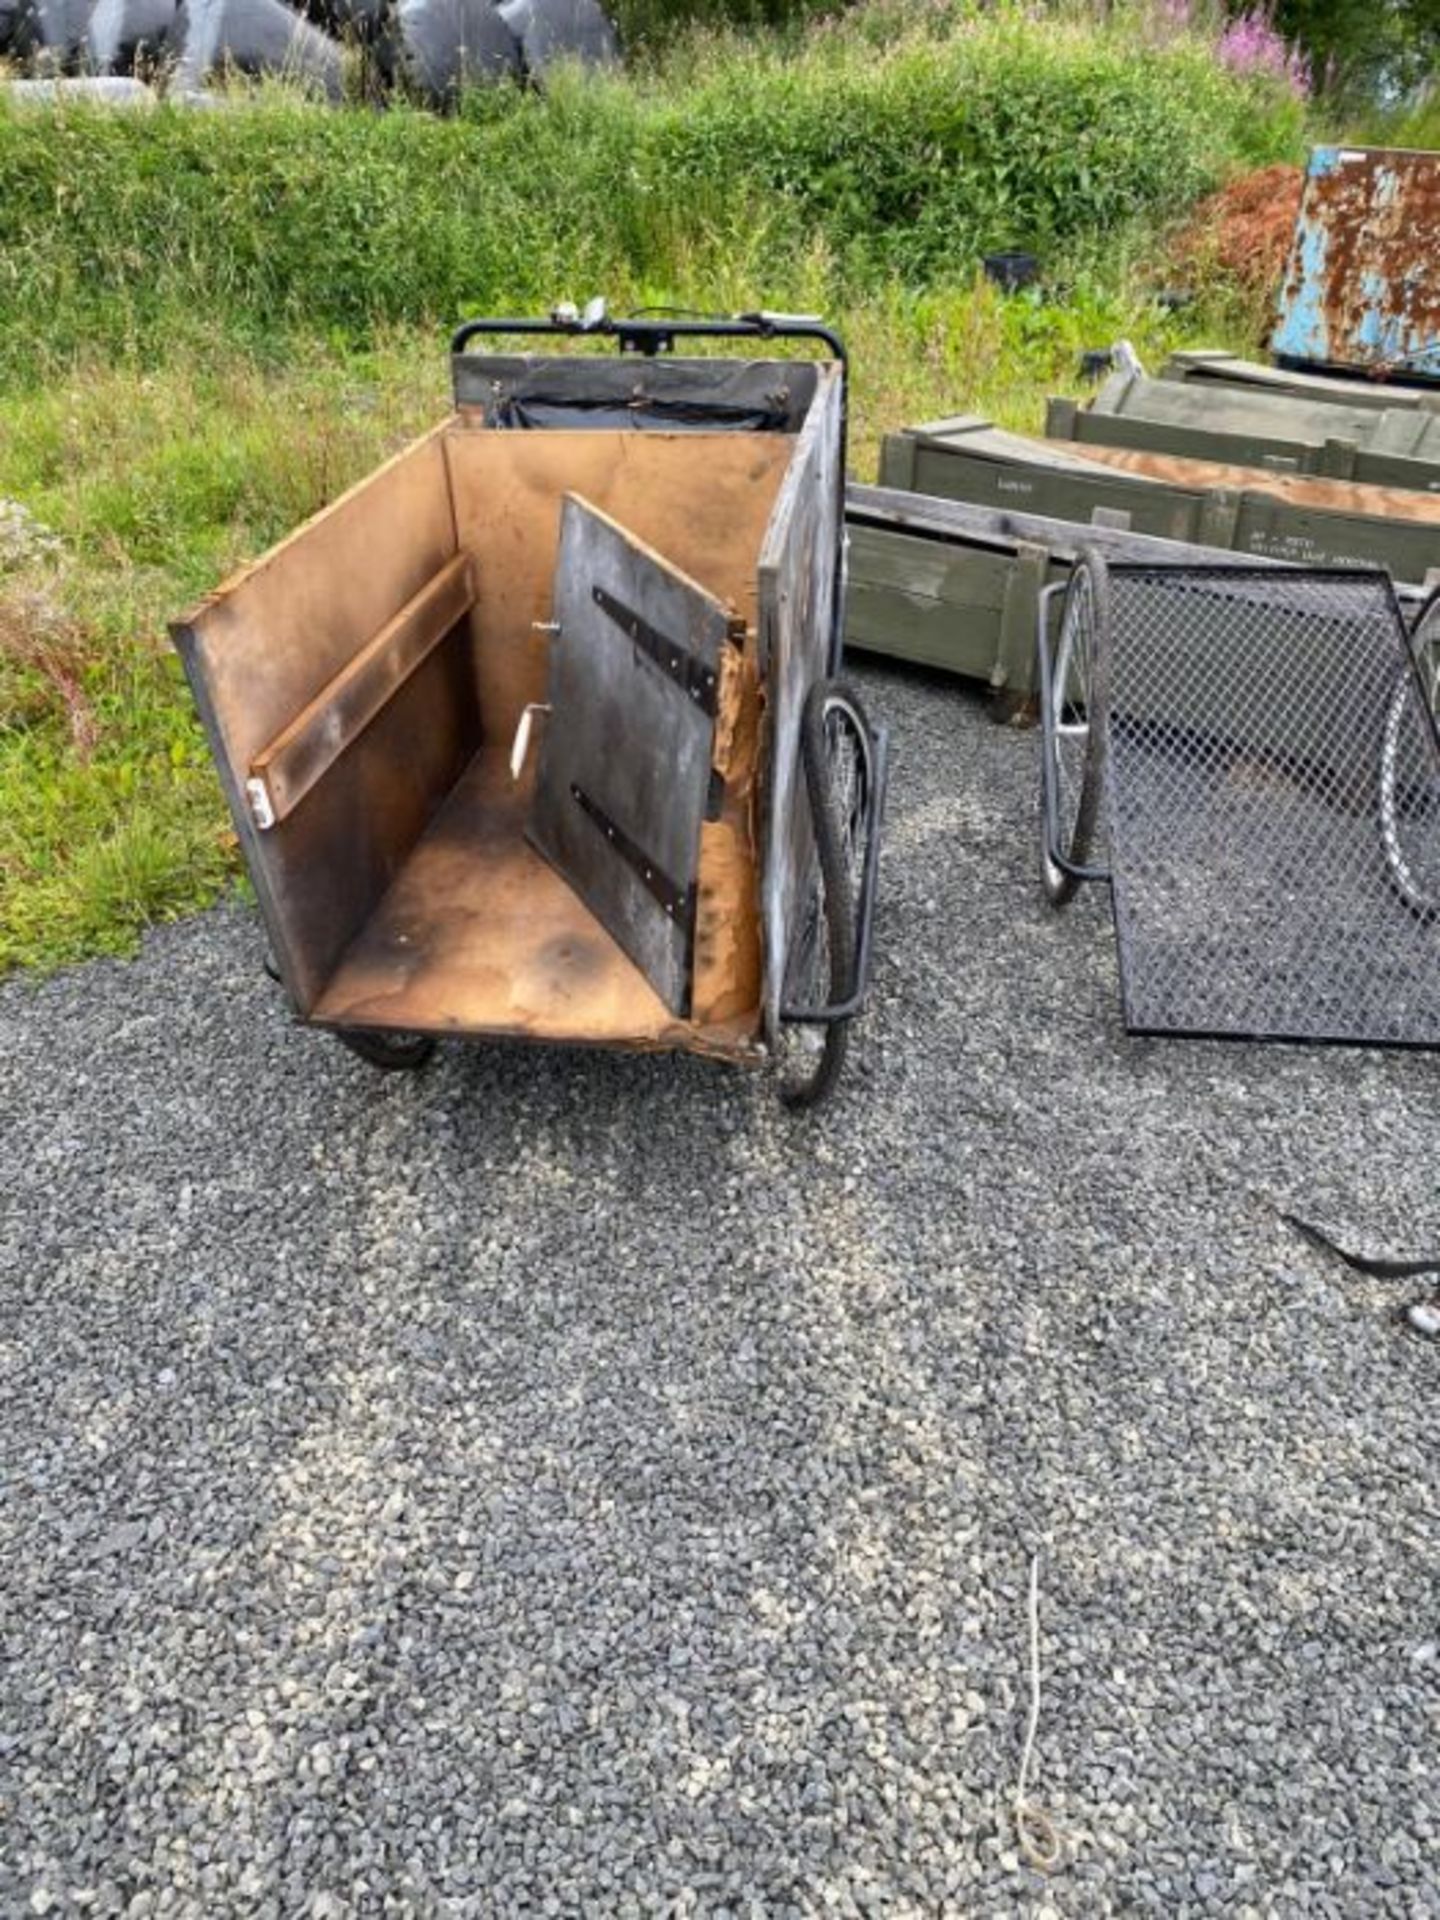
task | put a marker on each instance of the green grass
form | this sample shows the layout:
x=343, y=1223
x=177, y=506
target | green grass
x=211, y=324
x=1414, y=126
x=110, y=818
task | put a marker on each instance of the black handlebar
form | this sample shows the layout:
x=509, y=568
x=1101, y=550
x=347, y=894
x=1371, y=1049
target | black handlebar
x=652, y=336
x=647, y=335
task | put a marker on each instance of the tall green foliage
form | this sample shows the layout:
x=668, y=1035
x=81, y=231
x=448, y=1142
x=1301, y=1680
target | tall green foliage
x=1365, y=49
x=651, y=23
x=739, y=167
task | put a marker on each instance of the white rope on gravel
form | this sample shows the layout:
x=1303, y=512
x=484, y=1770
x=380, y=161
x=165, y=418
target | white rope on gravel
x=1037, y=1835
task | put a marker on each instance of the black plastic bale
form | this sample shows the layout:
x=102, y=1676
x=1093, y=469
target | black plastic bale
x=259, y=37
x=1012, y=271
x=447, y=45
x=549, y=31
x=126, y=34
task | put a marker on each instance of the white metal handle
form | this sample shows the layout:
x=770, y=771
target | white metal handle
x=520, y=748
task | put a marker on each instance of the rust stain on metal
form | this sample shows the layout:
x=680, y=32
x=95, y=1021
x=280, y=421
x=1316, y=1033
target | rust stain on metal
x=1362, y=285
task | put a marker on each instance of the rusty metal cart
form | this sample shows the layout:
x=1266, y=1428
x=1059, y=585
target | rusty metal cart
x=538, y=733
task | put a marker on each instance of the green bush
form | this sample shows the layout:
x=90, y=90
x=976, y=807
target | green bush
x=657, y=23
x=732, y=168
x=1417, y=125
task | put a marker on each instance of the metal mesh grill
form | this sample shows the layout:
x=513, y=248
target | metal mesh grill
x=1272, y=799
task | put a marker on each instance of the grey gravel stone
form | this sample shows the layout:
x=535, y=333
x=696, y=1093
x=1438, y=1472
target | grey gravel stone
x=562, y=1482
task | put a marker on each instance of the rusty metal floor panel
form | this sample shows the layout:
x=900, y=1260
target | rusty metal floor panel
x=1272, y=834
x=479, y=934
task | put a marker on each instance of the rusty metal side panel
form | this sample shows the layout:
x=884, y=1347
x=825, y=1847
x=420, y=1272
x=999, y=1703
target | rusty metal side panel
x=1362, y=285
x=797, y=600
x=262, y=647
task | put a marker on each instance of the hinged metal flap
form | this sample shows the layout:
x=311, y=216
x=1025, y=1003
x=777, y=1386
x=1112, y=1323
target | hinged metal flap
x=676, y=902
x=625, y=765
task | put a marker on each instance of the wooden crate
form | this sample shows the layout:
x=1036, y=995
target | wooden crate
x=947, y=584
x=1212, y=366
x=1297, y=433
x=1305, y=519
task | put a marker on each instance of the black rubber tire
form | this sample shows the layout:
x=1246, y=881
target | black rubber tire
x=1422, y=899
x=390, y=1052
x=806, y=1085
x=1091, y=580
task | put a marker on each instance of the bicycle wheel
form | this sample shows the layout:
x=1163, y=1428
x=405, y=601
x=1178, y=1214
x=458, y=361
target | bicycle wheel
x=837, y=756
x=391, y=1052
x=1072, y=732
x=1409, y=778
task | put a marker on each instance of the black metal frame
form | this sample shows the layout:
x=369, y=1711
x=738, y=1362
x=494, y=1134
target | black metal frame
x=651, y=335
x=1049, y=799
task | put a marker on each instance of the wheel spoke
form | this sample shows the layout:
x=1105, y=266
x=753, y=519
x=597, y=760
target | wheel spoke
x=1409, y=786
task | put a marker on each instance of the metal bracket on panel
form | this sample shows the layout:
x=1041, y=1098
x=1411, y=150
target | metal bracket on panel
x=698, y=680
x=652, y=341
x=262, y=809
x=1219, y=517
x=678, y=902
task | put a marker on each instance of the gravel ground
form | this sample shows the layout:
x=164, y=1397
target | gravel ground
x=562, y=1483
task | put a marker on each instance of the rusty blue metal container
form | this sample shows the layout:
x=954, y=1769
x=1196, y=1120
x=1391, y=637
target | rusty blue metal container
x=1361, y=289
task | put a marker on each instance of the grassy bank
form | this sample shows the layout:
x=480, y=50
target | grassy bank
x=871, y=154
x=209, y=325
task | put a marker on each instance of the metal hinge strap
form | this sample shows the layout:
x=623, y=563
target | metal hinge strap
x=678, y=902
x=698, y=680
